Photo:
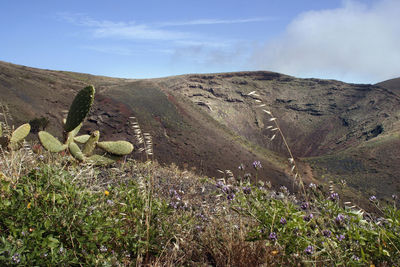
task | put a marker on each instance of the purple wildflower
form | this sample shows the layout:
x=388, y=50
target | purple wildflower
x=327, y=233
x=220, y=184
x=283, y=221
x=308, y=217
x=334, y=196
x=257, y=165
x=372, y=198
x=273, y=236
x=174, y=204
x=231, y=196
x=202, y=217
x=16, y=258
x=309, y=250
x=339, y=218
x=246, y=190
x=304, y=205
x=225, y=189
x=355, y=258
x=312, y=186
x=340, y=237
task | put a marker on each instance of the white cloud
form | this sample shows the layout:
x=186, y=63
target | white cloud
x=115, y=50
x=195, y=48
x=135, y=31
x=355, y=43
x=123, y=30
x=215, y=21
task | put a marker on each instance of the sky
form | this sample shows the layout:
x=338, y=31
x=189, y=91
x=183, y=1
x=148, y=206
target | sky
x=349, y=40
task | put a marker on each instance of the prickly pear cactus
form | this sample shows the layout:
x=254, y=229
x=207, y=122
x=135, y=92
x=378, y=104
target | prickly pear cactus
x=51, y=143
x=20, y=133
x=82, y=139
x=71, y=135
x=76, y=151
x=79, y=108
x=13, y=142
x=100, y=160
x=91, y=143
x=116, y=147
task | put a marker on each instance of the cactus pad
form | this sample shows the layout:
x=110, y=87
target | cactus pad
x=100, y=160
x=91, y=143
x=79, y=108
x=73, y=133
x=116, y=147
x=50, y=142
x=76, y=151
x=20, y=133
x=82, y=138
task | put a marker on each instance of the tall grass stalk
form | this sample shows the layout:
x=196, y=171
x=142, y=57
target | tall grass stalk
x=294, y=168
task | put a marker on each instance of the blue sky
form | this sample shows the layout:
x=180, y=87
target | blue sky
x=353, y=41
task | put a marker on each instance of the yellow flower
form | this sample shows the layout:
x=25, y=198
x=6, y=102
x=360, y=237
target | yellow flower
x=106, y=193
x=274, y=252
x=29, y=205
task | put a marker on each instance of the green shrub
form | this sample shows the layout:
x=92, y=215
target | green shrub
x=321, y=230
x=47, y=219
x=38, y=124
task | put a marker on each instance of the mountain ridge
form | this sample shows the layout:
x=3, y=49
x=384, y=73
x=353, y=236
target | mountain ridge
x=206, y=122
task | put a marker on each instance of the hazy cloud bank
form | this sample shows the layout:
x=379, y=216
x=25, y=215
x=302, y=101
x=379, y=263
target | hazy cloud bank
x=354, y=43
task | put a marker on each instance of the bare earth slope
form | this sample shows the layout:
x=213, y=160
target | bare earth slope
x=207, y=122
x=392, y=84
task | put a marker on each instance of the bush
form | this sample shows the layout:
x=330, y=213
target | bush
x=47, y=219
x=57, y=213
x=38, y=124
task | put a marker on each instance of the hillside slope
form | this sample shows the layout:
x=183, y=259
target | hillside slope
x=208, y=122
x=392, y=84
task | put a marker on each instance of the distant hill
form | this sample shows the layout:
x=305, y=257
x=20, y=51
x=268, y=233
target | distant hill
x=392, y=84
x=207, y=122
